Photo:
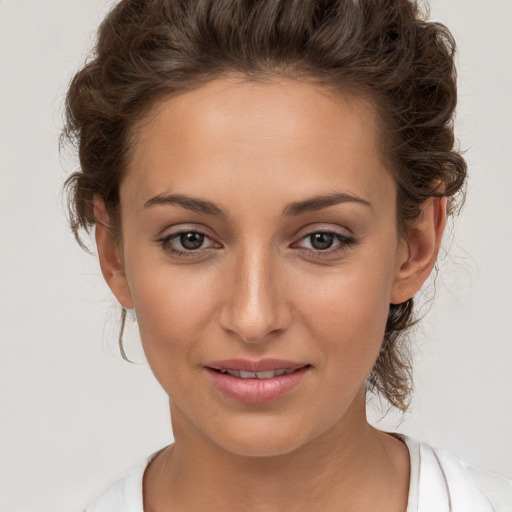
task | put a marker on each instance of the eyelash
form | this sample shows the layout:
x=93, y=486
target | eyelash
x=165, y=243
x=345, y=242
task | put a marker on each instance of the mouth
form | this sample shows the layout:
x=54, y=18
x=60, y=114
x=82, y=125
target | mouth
x=270, y=374
x=255, y=382
x=261, y=369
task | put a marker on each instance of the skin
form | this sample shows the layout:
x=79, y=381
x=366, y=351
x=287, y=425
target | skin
x=258, y=288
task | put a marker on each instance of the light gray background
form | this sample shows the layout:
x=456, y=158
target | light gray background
x=74, y=415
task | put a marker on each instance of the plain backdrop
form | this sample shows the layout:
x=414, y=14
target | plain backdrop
x=74, y=415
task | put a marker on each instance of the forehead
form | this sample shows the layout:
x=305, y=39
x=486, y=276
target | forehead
x=258, y=132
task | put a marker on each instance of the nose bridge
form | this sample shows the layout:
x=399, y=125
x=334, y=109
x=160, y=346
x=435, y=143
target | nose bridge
x=255, y=305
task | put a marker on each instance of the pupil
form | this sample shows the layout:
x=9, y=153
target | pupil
x=322, y=240
x=191, y=240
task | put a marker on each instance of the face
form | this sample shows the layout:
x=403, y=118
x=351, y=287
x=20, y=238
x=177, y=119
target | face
x=258, y=234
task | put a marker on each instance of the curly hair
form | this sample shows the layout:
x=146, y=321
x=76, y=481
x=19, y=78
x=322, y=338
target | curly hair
x=385, y=50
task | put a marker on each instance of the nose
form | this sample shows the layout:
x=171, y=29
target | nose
x=255, y=308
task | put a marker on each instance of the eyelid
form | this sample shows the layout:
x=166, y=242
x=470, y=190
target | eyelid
x=344, y=241
x=164, y=240
x=341, y=241
x=324, y=228
x=185, y=227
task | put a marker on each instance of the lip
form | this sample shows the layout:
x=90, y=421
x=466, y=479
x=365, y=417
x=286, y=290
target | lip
x=256, y=391
x=249, y=365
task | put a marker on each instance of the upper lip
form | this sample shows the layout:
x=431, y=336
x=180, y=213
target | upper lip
x=262, y=365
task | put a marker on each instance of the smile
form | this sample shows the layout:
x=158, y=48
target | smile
x=257, y=375
x=255, y=382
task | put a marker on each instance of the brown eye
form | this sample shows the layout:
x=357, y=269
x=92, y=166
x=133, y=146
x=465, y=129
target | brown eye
x=326, y=244
x=188, y=243
x=321, y=241
x=191, y=240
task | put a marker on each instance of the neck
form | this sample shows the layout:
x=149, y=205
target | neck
x=351, y=467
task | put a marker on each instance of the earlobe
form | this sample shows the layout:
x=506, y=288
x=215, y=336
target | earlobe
x=424, y=233
x=109, y=253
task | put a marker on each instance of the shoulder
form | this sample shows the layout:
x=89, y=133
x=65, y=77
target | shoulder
x=124, y=495
x=455, y=484
x=497, y=488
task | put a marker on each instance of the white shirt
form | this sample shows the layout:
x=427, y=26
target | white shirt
x=439, y=482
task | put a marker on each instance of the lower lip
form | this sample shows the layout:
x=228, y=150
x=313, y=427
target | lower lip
x=256, y=391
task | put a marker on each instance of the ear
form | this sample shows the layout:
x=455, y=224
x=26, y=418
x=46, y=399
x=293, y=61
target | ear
x=109, y=252
x=424, y=234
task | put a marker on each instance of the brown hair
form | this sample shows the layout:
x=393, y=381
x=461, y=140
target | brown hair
x=382, y=49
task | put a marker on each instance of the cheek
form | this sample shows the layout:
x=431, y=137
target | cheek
x=347, y=312
x=173, y=310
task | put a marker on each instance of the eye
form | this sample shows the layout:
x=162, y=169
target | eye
x=327, y=242
x=187, y=243
x=321, y=241
x=191, y=240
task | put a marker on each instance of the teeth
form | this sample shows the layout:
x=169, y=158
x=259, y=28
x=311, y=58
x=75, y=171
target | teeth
x=257, y=375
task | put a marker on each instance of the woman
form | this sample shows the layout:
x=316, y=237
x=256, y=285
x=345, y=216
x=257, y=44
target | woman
x=268, y=184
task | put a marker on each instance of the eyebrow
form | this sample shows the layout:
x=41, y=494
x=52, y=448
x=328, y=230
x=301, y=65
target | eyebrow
x=320, y=202
x=190, y=203
x=296, y=208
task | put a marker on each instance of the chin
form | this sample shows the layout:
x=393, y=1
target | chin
x=260, y=438
x=263, y=447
